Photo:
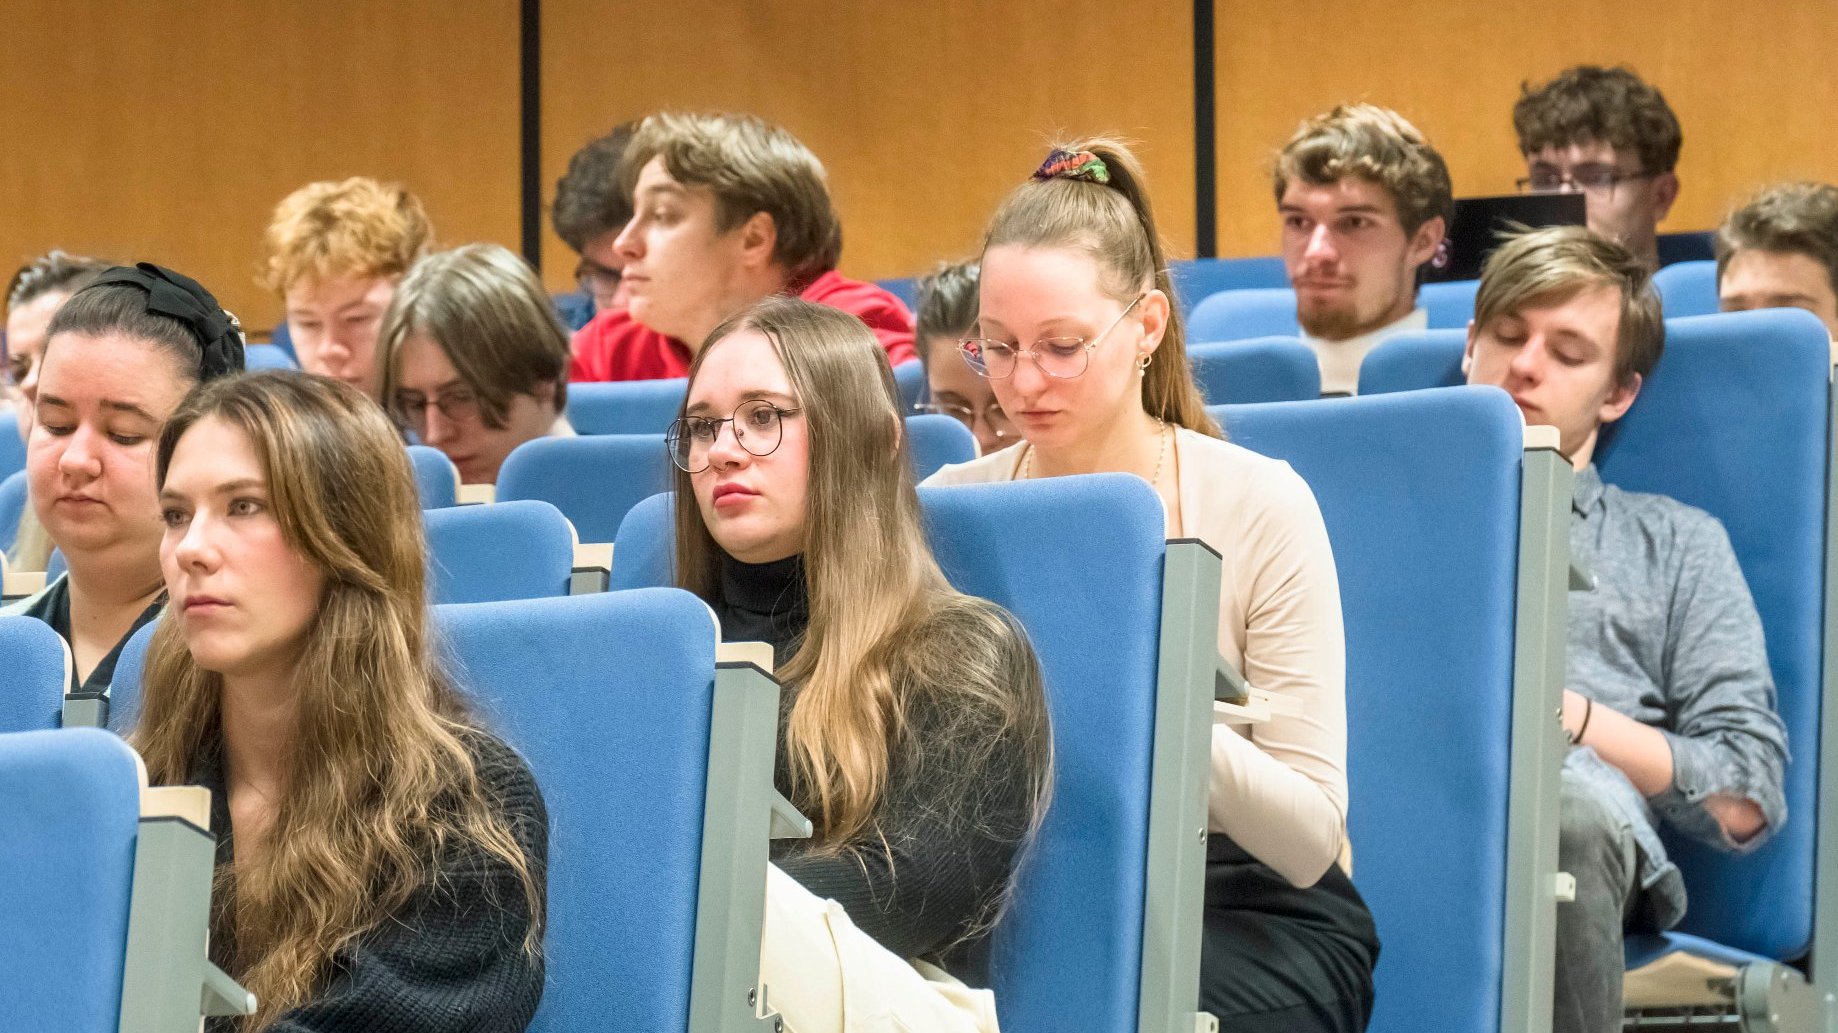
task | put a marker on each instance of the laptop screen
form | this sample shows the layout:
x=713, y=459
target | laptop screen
x=1479, y=223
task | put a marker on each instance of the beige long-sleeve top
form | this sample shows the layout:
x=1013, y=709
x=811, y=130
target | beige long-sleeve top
x=1279, y=788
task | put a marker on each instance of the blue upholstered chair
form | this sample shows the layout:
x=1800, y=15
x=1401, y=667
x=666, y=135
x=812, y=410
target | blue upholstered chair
x=1196, y=279
x=1736, y=421
x=12, y=450
x=12, y=508
x=1261, y=369
x=909, y=380
x=268, y=356
x=657, y=773
x=906, y=288
x=435, y=477
x=1688, y=288
x=1238, y=315
x=509, y=550
x=1413, y=361
x=592, y=480
x=1696, y=246
x=625, y=406
x=935, y=440
x=1422, y=495
x=1104, y=924
x=34, y=676
x=1449, y=304
x=107, y=906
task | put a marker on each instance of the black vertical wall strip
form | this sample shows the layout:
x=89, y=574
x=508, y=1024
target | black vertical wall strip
x=1205, y=143
x=530, y=128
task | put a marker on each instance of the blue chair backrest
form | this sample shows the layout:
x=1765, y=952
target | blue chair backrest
x=906, y=288
x=283, y=338
x=508, y=550
x=1196, y=279
x=608, y=697
x=592, y=480
x=268, y=356
x=12, y=508
x=1686, y=247
x=12, y=450
x=125, y=687
x=1093, y=614
x=935, y=440
x=626, y=406
x=1241, y=314
x=1263, y=369
x=436, y=479
x=55, y=567
x=909, y=378
x=1734, y=421
x=32, y=679
x=1420, y=494
x=1448, y=304
x=1413, y=361
x=1687, y=289
x=72, y=805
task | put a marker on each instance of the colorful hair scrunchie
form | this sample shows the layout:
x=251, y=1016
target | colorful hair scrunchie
x=1080, y=165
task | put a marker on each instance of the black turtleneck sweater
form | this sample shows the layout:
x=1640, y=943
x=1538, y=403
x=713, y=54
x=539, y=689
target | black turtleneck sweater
x=925, y=877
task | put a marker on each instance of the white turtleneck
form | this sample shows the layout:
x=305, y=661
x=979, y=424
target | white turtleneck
x=1340, y=359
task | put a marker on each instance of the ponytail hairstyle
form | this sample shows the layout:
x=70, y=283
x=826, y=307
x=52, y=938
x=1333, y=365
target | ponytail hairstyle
x=1091, y=196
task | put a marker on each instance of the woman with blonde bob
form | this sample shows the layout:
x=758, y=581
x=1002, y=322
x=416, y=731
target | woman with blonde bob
x=1080, y=337
x=380, y=857
x=915, y=733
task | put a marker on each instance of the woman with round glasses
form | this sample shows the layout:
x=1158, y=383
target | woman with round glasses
x=1080, y=337
x=946, y=314
x=474, y=360
x=914, y=732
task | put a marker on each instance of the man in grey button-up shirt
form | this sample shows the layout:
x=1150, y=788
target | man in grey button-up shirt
x=1670, y=703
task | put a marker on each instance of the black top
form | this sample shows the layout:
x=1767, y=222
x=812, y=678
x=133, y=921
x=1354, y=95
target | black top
x=924, y=878
x=452, y=959
x=53, y=607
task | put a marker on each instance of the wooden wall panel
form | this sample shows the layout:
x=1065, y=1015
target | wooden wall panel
x=1751, y=84
x=169, y=129
x=925, y=113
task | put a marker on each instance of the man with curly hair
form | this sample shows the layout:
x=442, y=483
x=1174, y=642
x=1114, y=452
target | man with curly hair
x=1365, y=203
x=1609, y=134
x=590, y=210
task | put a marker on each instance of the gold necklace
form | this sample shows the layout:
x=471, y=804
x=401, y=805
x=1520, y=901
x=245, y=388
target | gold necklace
x=1161, y=429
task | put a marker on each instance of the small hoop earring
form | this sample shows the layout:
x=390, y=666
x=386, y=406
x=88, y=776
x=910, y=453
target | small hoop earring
x=1143, y=364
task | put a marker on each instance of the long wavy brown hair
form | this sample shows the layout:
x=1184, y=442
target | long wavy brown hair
x=884, y=622
x=381, y=783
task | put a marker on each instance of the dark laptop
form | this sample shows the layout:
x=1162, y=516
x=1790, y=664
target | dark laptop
x=1475, y=229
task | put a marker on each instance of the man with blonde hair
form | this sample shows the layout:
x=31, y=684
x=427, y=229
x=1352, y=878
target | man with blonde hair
x=1781, y=251
x=728, y=209
x=1670, y=701
x=335, y=251
x=1365, y=202
x=1612, y=136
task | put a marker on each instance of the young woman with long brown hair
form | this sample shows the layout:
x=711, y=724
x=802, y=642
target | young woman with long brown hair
x=914, y=733
x=380, y=857
x=1080, y=336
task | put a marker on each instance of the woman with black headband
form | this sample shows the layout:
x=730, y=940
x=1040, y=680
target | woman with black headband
x=118, y=358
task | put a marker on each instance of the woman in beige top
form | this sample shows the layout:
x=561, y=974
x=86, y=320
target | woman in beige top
x=1080, y=338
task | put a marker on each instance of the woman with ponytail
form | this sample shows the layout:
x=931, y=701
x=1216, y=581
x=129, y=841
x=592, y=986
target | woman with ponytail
x=914, y=729
x=1080, y=336
x=380, y=856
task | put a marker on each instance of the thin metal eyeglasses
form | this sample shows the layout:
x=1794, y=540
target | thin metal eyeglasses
x=1590, y=178
x=457, y=406
x=759, y=426
x=595, y=278
x=1062, y=358
x=992, y=414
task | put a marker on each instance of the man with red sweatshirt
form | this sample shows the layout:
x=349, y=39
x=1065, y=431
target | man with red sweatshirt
x=727, y=210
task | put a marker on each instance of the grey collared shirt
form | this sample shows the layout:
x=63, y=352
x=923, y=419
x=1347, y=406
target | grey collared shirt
x=1668, y=635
